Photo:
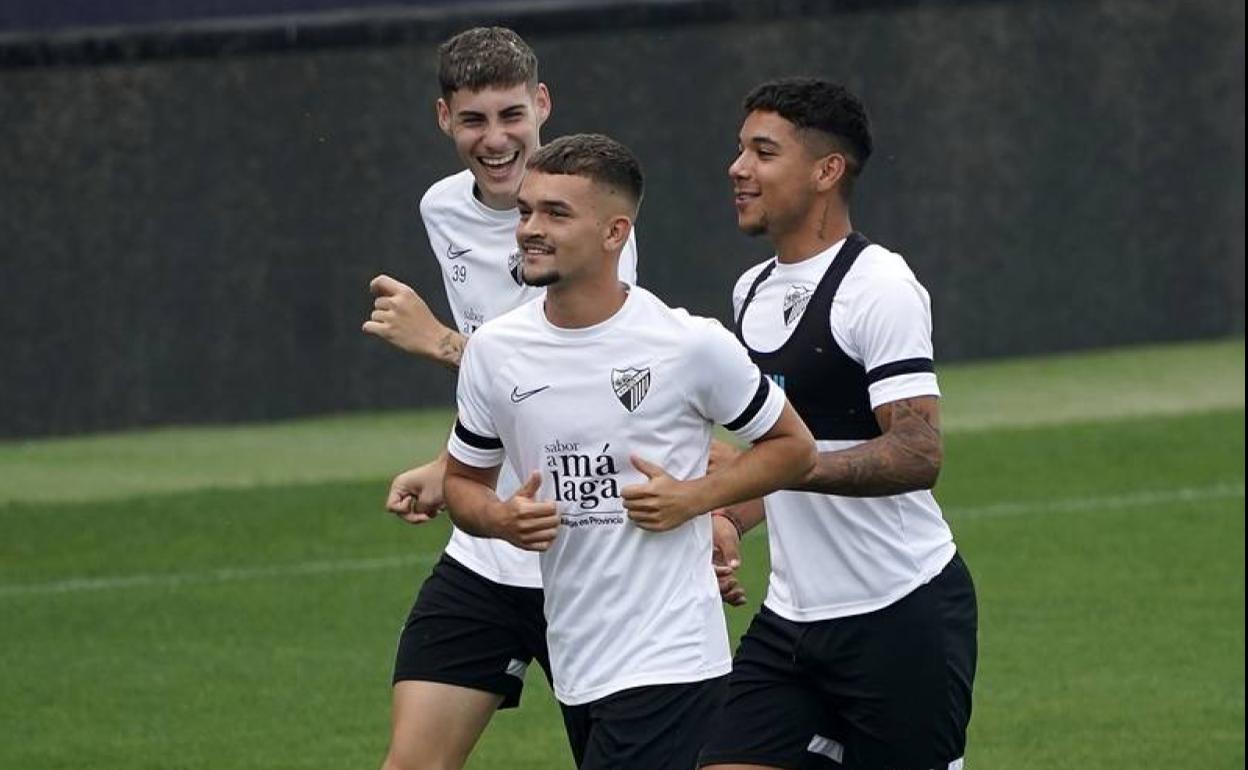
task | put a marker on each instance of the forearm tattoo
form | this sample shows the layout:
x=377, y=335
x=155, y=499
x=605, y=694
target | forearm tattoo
x=905, y=458
x=451, y=349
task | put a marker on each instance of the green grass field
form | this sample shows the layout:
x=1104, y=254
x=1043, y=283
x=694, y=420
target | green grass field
x=230, y=597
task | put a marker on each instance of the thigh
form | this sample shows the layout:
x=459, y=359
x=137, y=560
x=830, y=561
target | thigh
x=772, y=715
x=436, y=725
x=661, y=727
x=466, y=631
x=897, y=682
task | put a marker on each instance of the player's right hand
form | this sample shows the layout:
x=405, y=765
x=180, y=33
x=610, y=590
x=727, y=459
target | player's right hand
x=726, y=558
x=402, y=317
x=526, y=523
x=416, y=495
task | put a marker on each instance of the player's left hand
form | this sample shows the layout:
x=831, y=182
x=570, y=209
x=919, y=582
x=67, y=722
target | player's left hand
x=721, y=456
x=661, y=503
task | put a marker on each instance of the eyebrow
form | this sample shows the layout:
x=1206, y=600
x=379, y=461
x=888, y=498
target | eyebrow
x=761, y=139
x=547, y=203
x=478, y=114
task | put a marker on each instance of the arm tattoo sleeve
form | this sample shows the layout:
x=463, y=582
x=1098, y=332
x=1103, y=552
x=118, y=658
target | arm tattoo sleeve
x=906, y=458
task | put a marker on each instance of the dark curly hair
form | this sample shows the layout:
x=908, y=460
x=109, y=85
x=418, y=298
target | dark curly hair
x=819, y=105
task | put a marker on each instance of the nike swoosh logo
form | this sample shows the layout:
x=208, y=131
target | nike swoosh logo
x=454, y=253
x=517, y=396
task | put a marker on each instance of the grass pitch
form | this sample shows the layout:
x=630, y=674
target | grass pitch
x=253, y=627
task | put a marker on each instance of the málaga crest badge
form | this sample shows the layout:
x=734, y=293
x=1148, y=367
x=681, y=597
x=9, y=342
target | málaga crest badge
x=515, y=266
x=630, y=386
x=795, y=301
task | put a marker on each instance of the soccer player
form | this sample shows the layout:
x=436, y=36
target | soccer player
x=477, y=622
x=863, y=654
x=582, y=392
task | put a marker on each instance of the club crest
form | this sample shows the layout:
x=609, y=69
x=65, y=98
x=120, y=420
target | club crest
x=515, y=266
x=630, y=386
x=795, y=302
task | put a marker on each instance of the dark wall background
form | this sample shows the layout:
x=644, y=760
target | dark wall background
x=189, y=238
x=77, y=14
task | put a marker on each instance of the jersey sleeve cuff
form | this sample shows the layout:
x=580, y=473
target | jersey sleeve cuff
x=903, y=386
x=474, y=449
x=761, y=413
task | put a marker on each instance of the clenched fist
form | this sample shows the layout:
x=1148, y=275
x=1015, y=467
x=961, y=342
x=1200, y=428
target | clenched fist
x=402, y=317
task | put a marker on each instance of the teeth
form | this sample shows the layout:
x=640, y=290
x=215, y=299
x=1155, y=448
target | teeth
x=500, y=162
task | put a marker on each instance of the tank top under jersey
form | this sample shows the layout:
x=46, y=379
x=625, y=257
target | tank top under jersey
x=834, y=556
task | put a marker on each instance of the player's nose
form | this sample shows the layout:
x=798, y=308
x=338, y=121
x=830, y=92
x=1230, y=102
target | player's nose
x=527, y=228
x=495, y=137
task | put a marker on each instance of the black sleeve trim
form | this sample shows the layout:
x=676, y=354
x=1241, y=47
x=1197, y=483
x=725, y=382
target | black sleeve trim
x=473, y=440
x=752, y=409
x=906, y=366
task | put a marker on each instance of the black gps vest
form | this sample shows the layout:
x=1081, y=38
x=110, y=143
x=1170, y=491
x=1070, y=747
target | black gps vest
x=826, y=387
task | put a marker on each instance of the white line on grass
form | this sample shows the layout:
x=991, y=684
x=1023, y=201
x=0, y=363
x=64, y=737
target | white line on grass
x=1115, y=502
x=174, y=579
x=1090, y=503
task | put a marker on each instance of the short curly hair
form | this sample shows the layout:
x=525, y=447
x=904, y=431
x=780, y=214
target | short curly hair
x=485, y=57
x=820, y=105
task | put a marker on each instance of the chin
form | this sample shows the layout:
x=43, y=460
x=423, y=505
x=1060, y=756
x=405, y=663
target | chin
x=496, y=187
x=540, y=279
x=752, y=228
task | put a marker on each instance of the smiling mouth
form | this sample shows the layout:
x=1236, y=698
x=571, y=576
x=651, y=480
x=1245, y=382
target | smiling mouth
x=536, y=249
x=499, y=163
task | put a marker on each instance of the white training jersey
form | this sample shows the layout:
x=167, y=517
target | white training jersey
x=625, y=607
x=835, y=556
x=475, y=246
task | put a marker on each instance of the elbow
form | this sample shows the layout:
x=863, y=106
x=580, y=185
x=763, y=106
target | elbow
x=451, y=499
x=463, y=523
x=917, y=457
x=805, y=462
x=930, y=472
x=456, y=518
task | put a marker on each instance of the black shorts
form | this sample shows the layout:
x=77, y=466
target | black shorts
x=887, y=690
x=660, y=727
x=468, y=631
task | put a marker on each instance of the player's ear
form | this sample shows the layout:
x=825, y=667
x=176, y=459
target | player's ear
x=443, y=111
x=828, y=171
x=618, y=228
x=542, y=103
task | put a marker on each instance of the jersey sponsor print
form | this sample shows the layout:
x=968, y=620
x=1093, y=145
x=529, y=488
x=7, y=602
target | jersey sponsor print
x=476, y=249
x=599, y=404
